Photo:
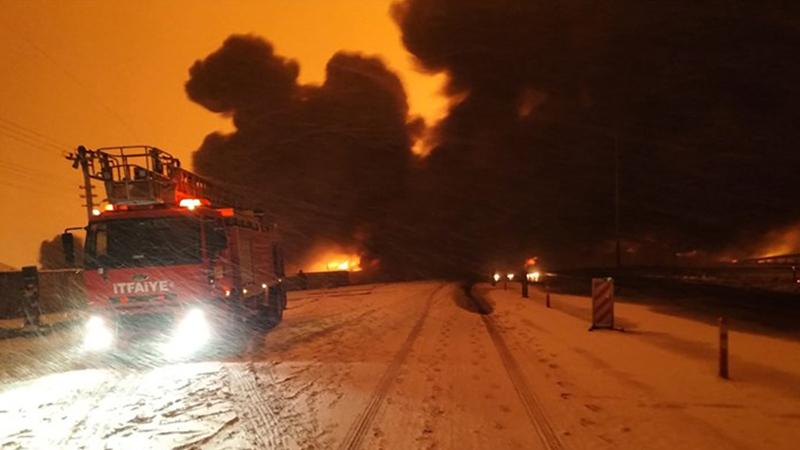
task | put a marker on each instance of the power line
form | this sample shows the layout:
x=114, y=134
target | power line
x=32, y=142
x=33, y=181
x=36, y=189
x=30, y=131
x=77, y=81
x=41, y=176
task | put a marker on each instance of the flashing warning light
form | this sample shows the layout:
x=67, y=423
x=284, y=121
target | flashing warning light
x=226, y=212
x=95, y=212
x=190, y=203
x=109, y=207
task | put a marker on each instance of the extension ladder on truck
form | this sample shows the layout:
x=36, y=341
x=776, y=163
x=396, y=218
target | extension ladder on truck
x=145, y=175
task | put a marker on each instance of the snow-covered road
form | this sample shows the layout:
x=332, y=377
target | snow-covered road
x=409, y=366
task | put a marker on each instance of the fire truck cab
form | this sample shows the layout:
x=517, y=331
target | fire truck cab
x=172, y=258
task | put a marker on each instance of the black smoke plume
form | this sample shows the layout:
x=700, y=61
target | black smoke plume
x=695, y=100
x=699, y=99
x=327, y=162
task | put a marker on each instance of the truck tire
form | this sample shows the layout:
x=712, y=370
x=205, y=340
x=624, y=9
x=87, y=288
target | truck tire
x=276, y=304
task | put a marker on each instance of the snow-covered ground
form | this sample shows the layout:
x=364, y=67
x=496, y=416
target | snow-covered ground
x=416, y=365
x=655, y=385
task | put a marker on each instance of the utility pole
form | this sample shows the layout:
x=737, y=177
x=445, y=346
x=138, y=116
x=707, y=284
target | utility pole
x=79, y=159
x=616, y=200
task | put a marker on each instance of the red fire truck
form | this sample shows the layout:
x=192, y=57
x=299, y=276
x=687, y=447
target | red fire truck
x=172, y=258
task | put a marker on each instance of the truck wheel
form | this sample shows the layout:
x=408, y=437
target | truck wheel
x=275, y=305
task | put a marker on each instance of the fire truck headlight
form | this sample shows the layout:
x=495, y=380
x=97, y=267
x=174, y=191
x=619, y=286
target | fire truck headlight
x=97, y=336
x=192, y=333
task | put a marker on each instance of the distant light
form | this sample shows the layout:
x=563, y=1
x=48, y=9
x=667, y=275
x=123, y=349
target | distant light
x=534, y=276
x=496, y=277
x=263, y=285
x=510, y=276
x=244, y=291
x=227, y=293
x=95, y=212
x=190, y=203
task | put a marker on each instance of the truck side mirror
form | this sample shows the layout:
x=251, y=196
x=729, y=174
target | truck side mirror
x=68, y=244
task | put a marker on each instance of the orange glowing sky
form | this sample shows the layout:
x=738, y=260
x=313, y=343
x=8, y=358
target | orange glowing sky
x=103, y=73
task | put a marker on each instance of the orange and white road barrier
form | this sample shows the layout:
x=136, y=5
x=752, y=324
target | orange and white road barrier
x=602, y=303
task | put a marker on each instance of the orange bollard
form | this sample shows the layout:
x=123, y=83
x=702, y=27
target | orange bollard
x=723, y=348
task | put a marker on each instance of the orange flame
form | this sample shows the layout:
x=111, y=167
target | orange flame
x=334, y=259
x=779, y=241
x=352, y=263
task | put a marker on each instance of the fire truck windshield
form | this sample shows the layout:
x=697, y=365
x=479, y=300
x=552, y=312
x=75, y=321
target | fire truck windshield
x=143, y=242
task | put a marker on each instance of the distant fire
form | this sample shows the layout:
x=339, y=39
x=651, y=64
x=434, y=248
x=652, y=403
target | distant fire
x=330, y=259
x=352, y=263
x=778, y=242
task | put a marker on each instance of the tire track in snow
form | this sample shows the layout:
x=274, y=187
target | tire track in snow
x=259, y=419
x=358, y=430
x=529, y=401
